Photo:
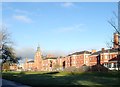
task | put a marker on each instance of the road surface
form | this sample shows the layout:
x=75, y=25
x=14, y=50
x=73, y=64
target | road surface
x=8, y=83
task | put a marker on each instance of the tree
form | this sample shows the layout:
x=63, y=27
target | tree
x=7, y=53
x=116, y=26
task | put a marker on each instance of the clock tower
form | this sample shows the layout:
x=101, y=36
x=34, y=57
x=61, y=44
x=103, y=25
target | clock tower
x=38, y=59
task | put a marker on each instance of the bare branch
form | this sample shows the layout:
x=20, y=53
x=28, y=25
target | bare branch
x=109, y=44
x=114, y=13
x=112, y=24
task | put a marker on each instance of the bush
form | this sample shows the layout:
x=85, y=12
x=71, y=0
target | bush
x=98, y=68
x=83, y=68
x=22, y=73
x=70, y=69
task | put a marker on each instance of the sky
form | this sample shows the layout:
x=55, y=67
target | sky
x=59, y=28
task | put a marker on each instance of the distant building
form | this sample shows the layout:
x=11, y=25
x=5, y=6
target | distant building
x=39, y=63
x=105, y=57
x=51, y=63
x=113, y=63
x=76, y=59
x=13, y=67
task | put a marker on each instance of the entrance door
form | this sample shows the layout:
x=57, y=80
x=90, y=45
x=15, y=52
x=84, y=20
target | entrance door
x=64, y=65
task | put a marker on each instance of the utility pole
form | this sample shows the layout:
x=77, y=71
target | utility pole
x=118, y=57
x=118, y=36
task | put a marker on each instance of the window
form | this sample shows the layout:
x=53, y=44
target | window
x=106, y=56
x=119, y=38
x=101, y=57
x=114, y=65
x=90, y=58
x=109, y=65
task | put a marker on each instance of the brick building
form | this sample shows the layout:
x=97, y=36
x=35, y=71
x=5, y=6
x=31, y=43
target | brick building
x=106, y=56
x=40, y=63
x=77, y=59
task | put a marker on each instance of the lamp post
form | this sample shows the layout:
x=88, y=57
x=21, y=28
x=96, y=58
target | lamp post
x=118, y=57
x=118, y=36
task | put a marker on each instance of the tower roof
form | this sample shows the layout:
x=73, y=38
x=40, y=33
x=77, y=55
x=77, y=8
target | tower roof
x=38, y=48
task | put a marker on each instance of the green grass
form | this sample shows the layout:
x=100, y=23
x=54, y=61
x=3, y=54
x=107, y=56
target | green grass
x=64, y=78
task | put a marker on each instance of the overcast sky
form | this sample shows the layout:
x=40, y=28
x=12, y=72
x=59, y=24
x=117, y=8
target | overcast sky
x=59, y=28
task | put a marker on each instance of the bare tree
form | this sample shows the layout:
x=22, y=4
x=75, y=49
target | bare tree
x=109, y=44
x=115, y=23
x=4, y=37
x=7, y=53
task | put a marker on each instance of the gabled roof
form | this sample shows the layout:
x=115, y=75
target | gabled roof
x=31, y=61
x=105, y=51
x=114, y=59
x=51, y=58
x=81, y=52
x=96, y=53
x=45, y=57
x=111, y=50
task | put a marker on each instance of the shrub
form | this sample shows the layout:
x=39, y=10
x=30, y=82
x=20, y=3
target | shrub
x=22, y=73
x=84, y=68
x=70, y=69
x=98, y=68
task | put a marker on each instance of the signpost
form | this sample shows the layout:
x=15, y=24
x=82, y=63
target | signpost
x=119, y=35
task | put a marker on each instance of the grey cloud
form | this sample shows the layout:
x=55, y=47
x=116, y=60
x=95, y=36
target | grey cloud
x=30, y=52
x=55, y=53
x=25, y=52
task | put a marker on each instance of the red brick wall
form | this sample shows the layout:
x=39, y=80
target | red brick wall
x=93, y=60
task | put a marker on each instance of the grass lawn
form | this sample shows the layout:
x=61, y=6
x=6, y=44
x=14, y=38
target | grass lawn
x=110, y=79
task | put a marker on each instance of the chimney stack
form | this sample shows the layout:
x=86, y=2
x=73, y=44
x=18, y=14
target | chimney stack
x=103, y=50
x=93, y=50
x=116, y=41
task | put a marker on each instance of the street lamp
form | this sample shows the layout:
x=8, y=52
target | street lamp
x=118, y=57
x=118, y=36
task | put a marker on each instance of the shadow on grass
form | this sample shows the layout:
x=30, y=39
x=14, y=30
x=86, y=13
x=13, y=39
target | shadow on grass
x=51, y=72
x=68, y=79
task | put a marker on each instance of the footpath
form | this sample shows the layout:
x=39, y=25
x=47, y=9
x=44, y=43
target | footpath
x=8, y=83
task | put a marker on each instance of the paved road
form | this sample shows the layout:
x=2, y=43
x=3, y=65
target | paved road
x=7, y=83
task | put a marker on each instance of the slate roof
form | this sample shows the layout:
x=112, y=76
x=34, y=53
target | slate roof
x=114, y=59
x=96, y=53
x=31, y=61
x=81, y=52
x=105, y=51
x=49, y=58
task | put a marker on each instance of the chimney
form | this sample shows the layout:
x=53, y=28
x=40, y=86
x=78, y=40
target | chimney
x=49, y=55
x=93, y=50
x=103, y=50
x=26, y=60
x=116, y=41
